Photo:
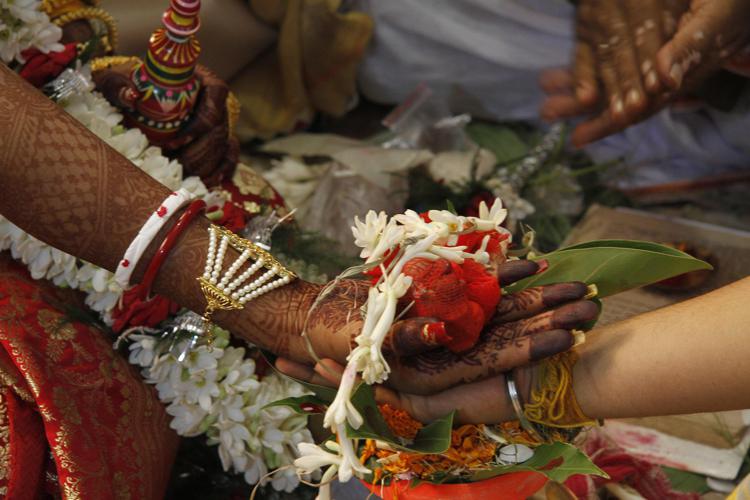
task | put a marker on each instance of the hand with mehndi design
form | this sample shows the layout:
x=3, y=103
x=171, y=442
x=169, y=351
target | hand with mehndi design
x=634, y=57
x=614, y=75
x=529, y=325
x=204, y=147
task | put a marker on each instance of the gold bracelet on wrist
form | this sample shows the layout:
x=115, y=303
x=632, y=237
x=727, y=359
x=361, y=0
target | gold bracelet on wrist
x=221, y=289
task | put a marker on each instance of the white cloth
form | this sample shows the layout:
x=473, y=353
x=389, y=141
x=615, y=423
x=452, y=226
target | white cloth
x=483, y=57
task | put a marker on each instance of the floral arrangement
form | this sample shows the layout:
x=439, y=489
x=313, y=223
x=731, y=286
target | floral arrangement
x=219, y=392
x=384, y=446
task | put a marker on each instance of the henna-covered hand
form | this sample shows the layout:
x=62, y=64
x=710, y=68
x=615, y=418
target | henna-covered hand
x=526, y=328
x=635, y=57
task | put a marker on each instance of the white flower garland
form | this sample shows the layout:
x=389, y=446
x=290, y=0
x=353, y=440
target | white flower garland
x=216, y=392
x=412, y=237
x=23, y=26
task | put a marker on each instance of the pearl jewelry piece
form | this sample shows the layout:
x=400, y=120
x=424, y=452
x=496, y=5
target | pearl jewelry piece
x=221, y=289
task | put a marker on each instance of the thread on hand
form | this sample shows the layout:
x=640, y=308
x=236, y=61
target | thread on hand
x=553, y=402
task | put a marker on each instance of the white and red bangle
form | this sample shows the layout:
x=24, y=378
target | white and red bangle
x=146, y=235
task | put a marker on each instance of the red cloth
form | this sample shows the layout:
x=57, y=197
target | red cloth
x=41, y=68
x=75, y=396
x=464, y=296
x=646, y=478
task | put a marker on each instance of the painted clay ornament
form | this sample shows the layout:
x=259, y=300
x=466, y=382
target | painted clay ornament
x=166, y=87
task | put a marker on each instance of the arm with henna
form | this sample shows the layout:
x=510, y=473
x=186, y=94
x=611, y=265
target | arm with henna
x=66, y=187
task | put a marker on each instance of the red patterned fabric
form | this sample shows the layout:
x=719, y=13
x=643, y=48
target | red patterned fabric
x=72, y=394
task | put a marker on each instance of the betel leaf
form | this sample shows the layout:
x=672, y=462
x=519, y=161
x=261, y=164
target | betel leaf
x=557, y=461
x=613, y=265
x=432, y=438
x=304, y=405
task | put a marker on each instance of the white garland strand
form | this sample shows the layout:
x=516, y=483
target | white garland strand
x=217, y=392
x=23, y=26
x=412, y=237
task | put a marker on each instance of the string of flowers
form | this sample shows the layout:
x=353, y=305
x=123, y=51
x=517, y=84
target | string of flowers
x=217, y=392
x=24, y=26
x=392, y=243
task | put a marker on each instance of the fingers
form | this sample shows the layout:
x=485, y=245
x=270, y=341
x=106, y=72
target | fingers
x=565, y=317
x=706, y=36
x=303, y=372
x=560, y=107
x=534, y=300
x=646, y=26
x=556, y=81
x=515, y=270
x=501, y=348
x=483, y=402
x=415, y=335
x=586, y=81
x=619, y=67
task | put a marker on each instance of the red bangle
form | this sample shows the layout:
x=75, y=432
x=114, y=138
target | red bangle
x=166, y=246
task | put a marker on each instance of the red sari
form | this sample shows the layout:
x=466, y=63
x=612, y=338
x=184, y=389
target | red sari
x=65, y=393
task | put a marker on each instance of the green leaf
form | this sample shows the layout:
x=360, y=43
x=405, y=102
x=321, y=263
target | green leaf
x=506, y=145
x=296, y=403
x=557, y=461
x=689, y=482
x=613, y=265
x=432, y=438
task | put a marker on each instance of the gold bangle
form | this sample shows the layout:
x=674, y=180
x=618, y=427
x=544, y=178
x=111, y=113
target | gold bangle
x=221, y=289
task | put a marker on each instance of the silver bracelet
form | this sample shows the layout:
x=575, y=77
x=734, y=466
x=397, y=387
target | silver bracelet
x=515, y=400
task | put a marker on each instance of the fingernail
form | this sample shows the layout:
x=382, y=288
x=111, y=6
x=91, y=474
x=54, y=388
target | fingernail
x=591, y=291
x=579, y=337
x=512, y=271
x=676, y=74
x=617, y=106
x=574, y=315
x=546, y=344
x=652, y=80
x=634, y=97
x=646, y=66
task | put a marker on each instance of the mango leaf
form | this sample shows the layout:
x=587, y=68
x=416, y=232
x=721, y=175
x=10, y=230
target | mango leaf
x=432, y=438
x=506, y=145
x=303, y=405
x=613, y=265
x=557, y=461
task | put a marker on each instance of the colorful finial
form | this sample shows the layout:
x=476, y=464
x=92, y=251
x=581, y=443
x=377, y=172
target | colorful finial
x=165, y=80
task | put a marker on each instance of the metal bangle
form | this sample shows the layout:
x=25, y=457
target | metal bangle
x=515, y=400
